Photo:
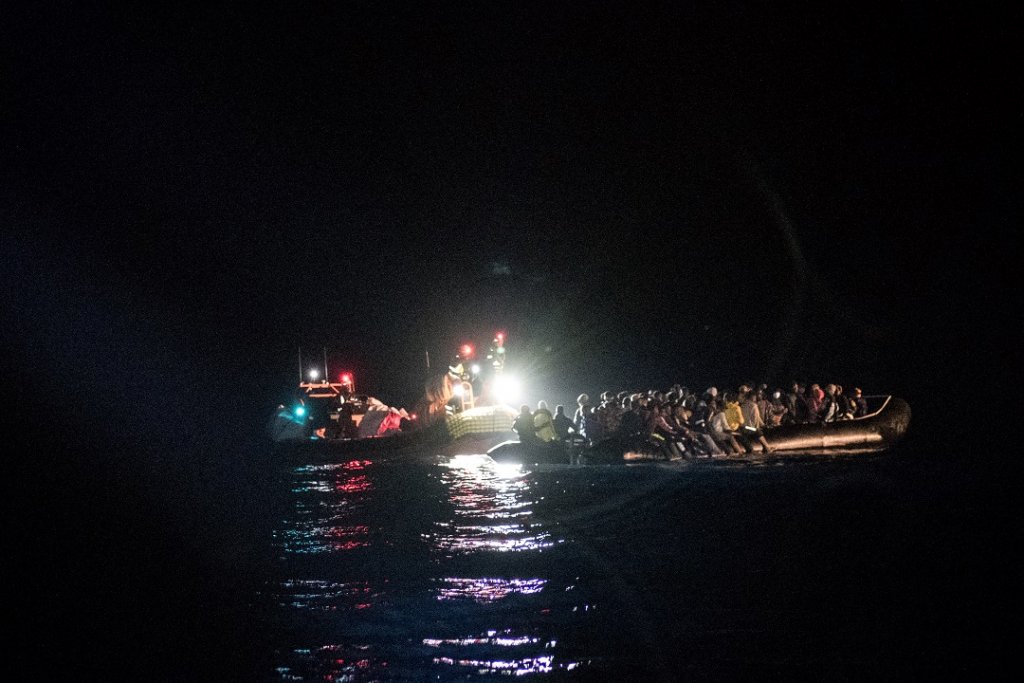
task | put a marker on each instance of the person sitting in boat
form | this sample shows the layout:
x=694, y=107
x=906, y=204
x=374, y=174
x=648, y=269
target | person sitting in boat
x=860, y=404
x=828, y=411
x=753, y=423
x=795, y=404
x=777, y=411
x=563, y=425
x=524, y=426
x=611, y=412
x=764, y=403
x=685, y=439
x=662, y=434
x=701, y=412
x=543, y=422
x=807, y=405
x=733, y=413
x=702, y=442
x=846, y=406
x=701, y=432
x=718, y=428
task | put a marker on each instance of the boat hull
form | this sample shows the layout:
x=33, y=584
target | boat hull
x=878, y=431
x=471, y=432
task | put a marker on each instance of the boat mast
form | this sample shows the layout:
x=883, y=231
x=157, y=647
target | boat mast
x=325, y=365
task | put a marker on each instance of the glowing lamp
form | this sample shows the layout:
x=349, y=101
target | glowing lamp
x=314, y=373
x=458, y=390
x=467, y=350
x=300, y=411
x=506, y=389
x=346, y=378
x=475, y=369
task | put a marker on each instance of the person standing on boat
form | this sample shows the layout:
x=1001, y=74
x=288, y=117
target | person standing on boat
x=581, y=403
x=524, y=426
x=563, y=425
x=593, y=427
x=611, y=413
x=543, y=422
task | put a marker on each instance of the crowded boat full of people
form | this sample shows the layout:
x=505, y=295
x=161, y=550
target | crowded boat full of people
x=680, y=424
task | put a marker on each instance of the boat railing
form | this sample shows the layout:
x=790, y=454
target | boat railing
x=884, y=398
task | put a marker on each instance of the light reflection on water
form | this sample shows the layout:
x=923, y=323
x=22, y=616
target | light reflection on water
x=324, y=496
x=319, y=595
x=492, y=509
x=487, y=589
x=392, y=572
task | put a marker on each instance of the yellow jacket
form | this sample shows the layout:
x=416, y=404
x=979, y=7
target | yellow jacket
x=733, y=415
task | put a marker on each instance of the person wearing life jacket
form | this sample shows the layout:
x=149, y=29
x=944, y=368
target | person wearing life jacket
x=543, y=422
x=718, y=428
x=734, y=417
x=733, y=414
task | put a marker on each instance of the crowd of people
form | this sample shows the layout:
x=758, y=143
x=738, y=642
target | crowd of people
x=679, y=423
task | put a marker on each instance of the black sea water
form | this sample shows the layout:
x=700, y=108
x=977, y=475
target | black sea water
x=439, y=568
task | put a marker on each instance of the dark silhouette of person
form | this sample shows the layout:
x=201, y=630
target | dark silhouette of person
x=524, y=427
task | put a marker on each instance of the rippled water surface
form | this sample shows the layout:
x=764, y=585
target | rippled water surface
x=434, y=568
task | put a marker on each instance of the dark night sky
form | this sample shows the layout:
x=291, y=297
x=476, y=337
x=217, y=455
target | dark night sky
x=655, y=193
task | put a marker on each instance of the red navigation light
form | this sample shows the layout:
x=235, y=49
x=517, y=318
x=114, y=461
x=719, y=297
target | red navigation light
x=346, y=378
x=467, y=350
x=501, y=338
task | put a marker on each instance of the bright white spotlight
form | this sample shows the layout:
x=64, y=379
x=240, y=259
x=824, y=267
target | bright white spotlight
x=314, y=373
x=506, y=389
x=475, y=369
x=458, y=390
